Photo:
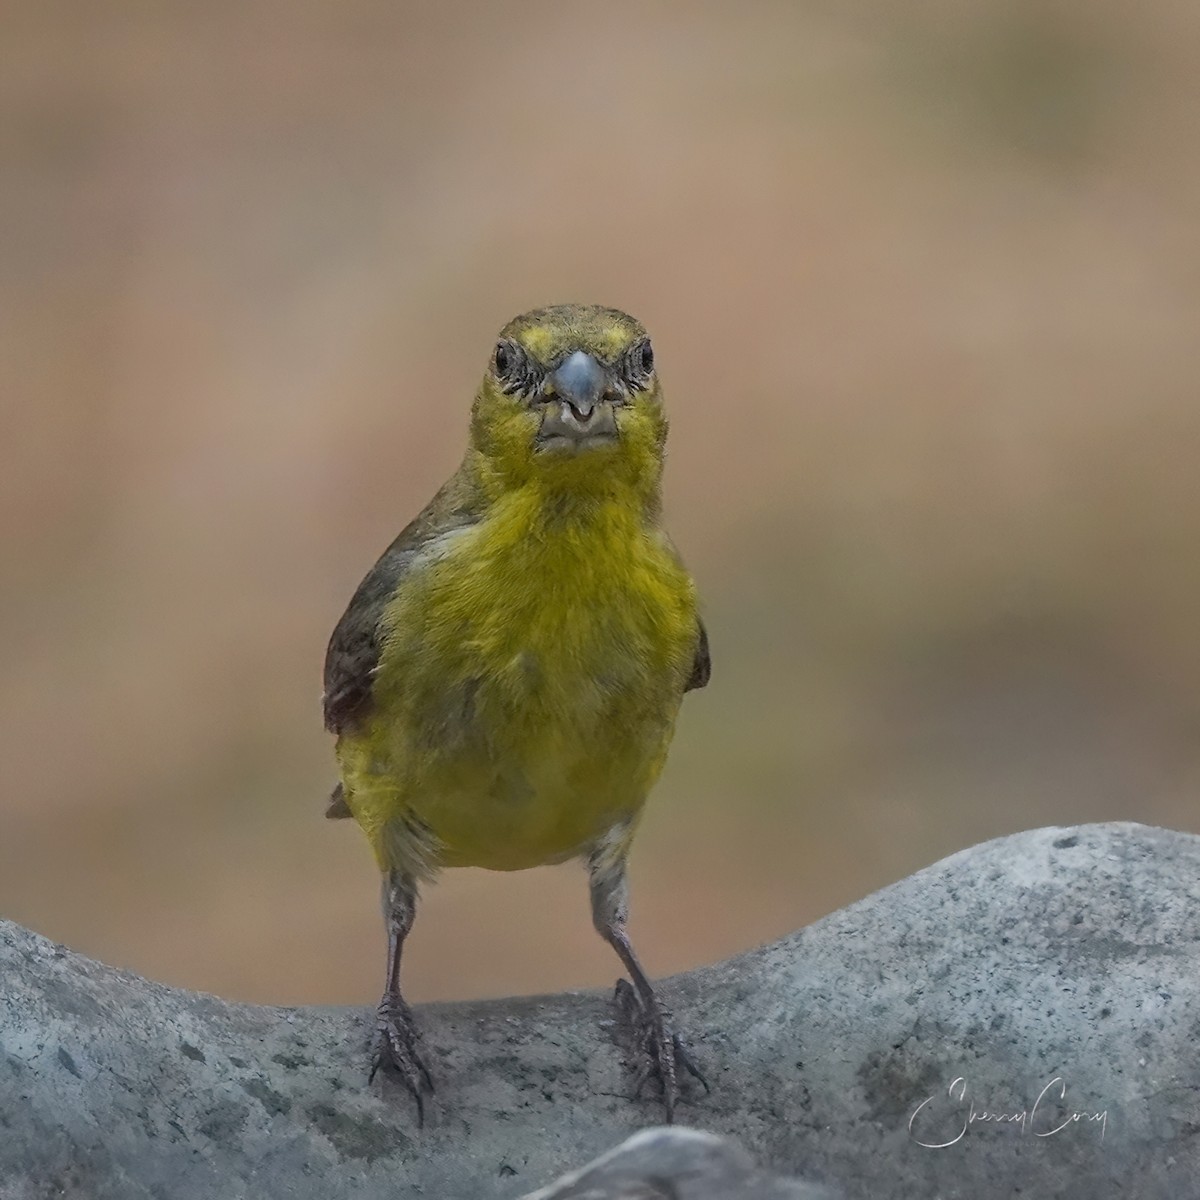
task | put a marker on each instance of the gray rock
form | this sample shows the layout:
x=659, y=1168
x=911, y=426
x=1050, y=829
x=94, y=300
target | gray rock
x=1058, y=963
x=670, y=1163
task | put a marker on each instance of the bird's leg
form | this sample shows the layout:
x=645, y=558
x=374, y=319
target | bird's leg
x=659, y=1050
x=395, y=1042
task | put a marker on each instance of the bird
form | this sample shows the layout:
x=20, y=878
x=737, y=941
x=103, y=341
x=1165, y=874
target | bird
x=504, y=683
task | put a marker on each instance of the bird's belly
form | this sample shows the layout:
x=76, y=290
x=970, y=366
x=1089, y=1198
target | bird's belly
x=533, y=770
x=525, y=699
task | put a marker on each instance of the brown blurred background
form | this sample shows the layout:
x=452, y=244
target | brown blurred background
x=924, y=282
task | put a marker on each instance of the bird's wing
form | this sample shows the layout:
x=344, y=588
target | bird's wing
x=702, y=663
x=353, y=653
x=701, y=660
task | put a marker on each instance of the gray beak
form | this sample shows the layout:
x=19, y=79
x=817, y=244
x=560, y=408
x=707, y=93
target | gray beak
x=578, y=410
x=579, y=382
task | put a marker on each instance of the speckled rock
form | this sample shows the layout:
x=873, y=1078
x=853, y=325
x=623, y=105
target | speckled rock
x=670, y=1163
x=1032, y=1003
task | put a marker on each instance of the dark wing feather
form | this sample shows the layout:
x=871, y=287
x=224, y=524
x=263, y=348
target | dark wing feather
x=353, y=652
x=701, y=664
x=354, y=648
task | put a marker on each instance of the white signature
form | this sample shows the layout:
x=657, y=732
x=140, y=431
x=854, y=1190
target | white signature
x=1038, y=1120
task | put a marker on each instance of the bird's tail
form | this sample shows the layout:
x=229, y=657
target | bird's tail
x=337, y=807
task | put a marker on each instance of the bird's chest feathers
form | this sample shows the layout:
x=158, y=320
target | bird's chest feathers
x=547, y=614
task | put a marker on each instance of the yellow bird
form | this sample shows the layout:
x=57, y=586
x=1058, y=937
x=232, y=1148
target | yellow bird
x=505, y=681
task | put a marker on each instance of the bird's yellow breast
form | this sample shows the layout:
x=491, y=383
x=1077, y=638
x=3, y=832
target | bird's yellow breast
x=532, y=668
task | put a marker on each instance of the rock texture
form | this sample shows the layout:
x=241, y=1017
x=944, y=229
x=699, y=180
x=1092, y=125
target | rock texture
x=670, y=1163
x=1060, y=964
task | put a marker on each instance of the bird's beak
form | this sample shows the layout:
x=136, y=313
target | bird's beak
x=578, y=405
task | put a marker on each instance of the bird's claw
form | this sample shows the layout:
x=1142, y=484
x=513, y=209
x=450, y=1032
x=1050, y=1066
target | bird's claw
x=659, y=1050
x=394, y=1048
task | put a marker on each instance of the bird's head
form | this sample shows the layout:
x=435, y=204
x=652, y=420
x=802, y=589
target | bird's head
x=571, y=397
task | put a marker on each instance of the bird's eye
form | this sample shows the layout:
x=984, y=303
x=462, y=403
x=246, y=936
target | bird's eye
x=639, y=365
x=512, y=367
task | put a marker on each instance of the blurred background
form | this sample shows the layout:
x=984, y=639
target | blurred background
x=924, y=283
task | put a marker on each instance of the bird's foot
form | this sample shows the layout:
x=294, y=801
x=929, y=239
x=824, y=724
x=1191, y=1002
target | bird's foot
x=658, y=1051
x=394, y=1048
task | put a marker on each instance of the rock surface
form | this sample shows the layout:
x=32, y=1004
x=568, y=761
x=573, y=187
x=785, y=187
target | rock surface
x=1060, y=964
x=670, y=1163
